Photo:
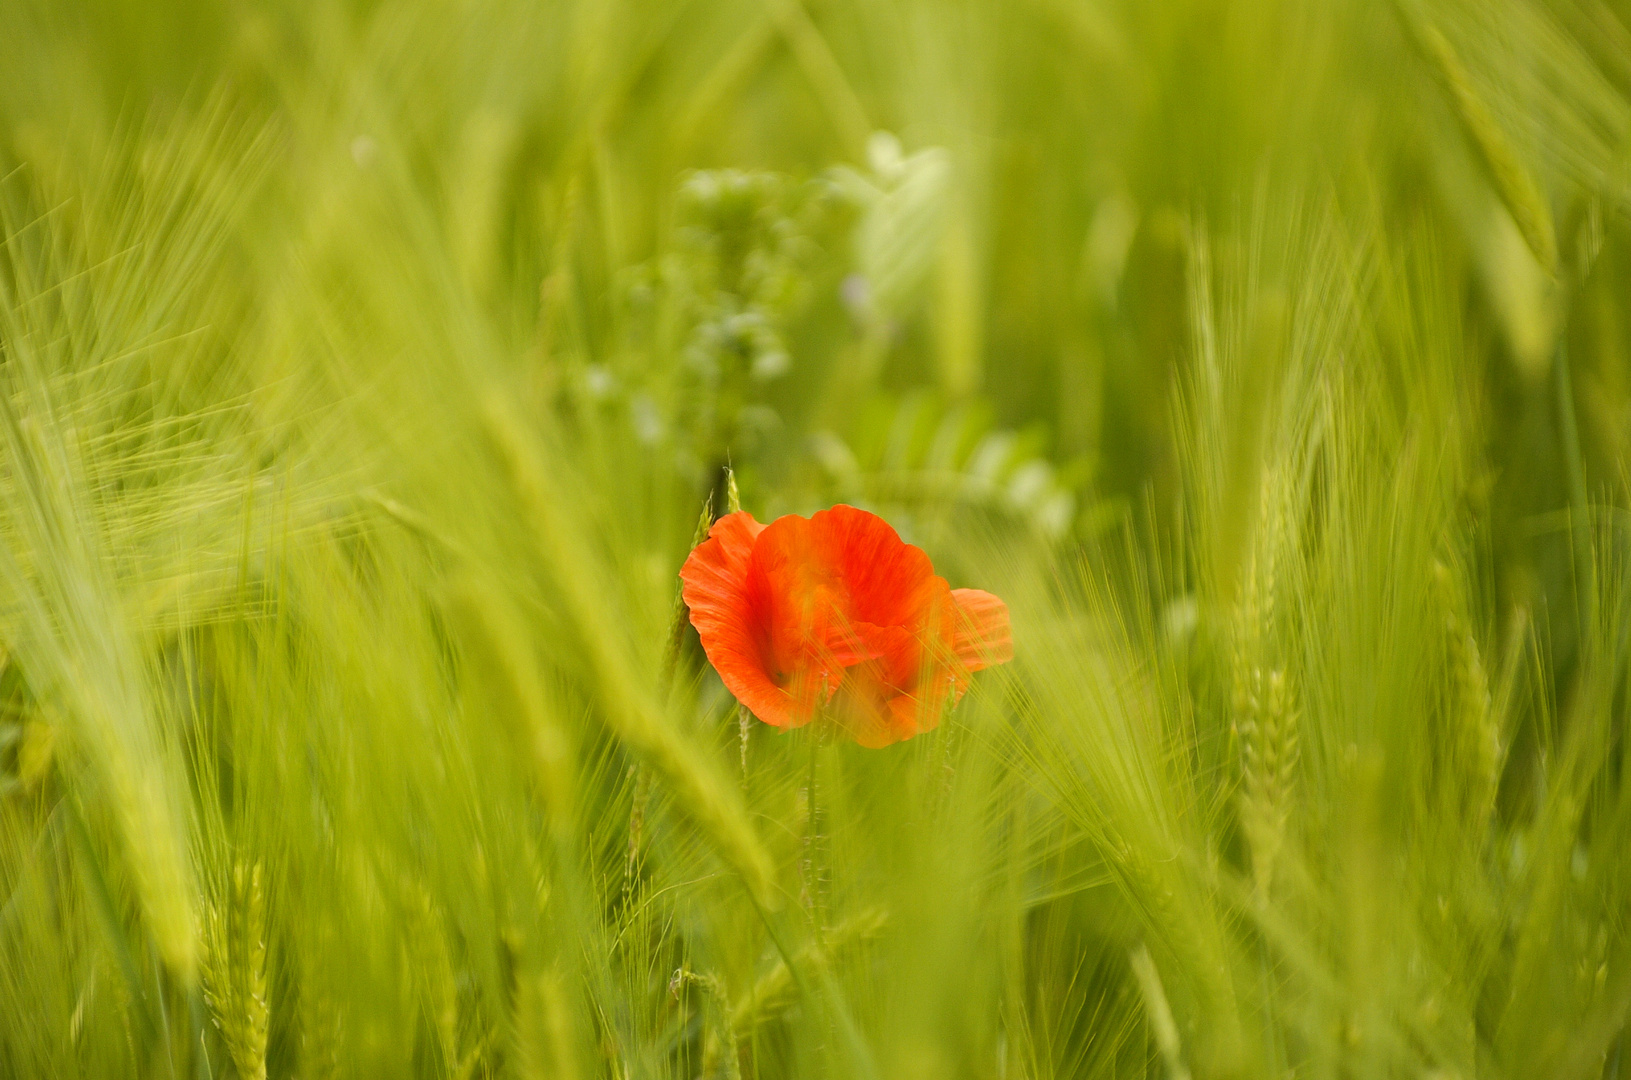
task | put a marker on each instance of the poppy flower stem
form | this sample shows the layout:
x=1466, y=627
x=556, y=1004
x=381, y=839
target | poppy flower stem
x=813, y=868
x=949, y=739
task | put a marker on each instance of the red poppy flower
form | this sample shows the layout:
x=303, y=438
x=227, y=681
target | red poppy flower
x=835, y=614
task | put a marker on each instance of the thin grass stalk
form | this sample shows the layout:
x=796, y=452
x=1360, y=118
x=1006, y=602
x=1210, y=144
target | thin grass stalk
x=1163, y=1028
x=744, y=718
x=815, y=856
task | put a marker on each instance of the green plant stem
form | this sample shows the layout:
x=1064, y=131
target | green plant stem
x=812, y=867
x=1579, y=508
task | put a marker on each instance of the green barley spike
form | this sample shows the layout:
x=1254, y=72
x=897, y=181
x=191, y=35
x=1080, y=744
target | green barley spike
x=235, y=970
x=1513, y=183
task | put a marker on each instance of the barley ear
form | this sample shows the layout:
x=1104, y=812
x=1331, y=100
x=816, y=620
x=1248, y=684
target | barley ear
x=1265, y=713
x=733, y=497
x=1270, y=753
x=235, y=969
x=1512, y=182
x=722, y=1036
x=431, y=961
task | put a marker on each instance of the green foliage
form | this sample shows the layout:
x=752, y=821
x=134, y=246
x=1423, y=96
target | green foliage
x=364, y=368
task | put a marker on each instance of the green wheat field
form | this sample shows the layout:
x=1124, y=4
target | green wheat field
x=367, y=365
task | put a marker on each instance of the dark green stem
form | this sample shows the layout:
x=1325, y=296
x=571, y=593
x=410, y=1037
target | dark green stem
x=1579, y=510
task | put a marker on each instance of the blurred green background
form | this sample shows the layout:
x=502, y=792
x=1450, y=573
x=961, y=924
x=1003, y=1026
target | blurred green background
x=367, y=366
x=845, y=244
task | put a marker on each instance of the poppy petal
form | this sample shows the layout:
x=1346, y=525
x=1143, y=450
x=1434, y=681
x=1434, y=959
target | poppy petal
x=874, y=735
x=910, y=716
x=983, y=636
x=795, y=587
x=898, y=654
x=860, y=708
x=939, y=685
x=715, y=588
x=900, y=693
x=887, y=581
